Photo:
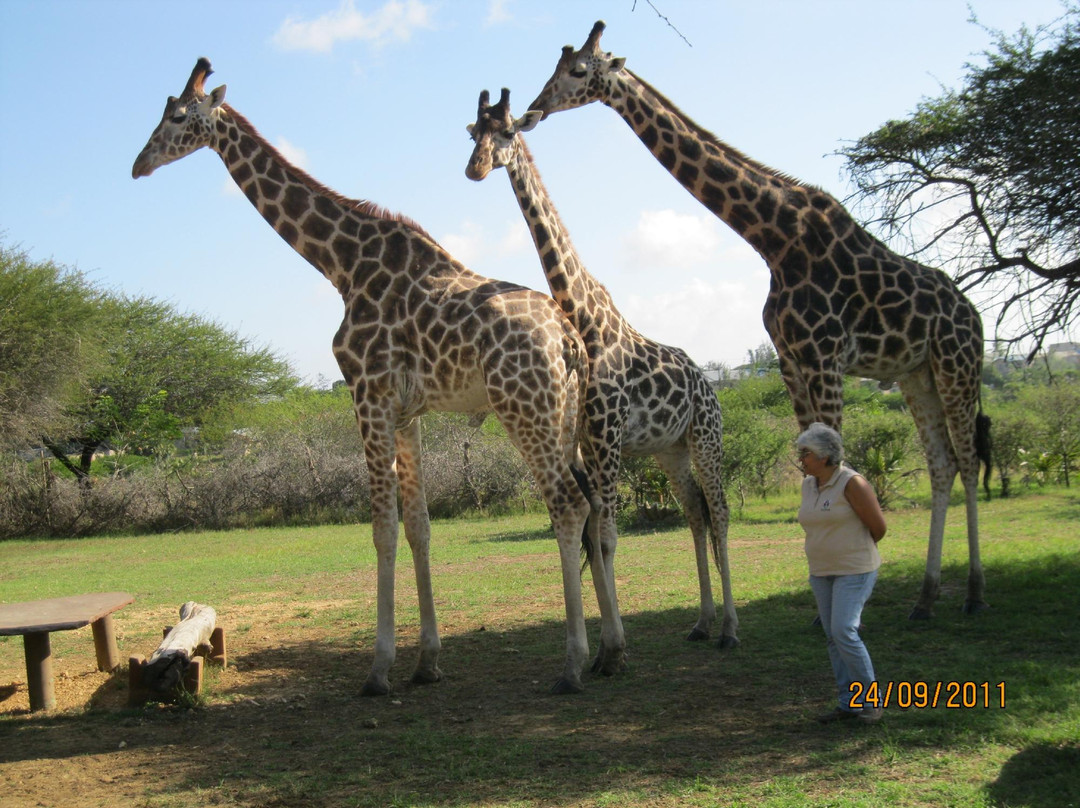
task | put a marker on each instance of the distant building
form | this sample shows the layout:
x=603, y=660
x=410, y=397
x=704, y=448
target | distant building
x=1065, y=353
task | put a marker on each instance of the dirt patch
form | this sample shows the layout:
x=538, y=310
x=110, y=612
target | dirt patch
x=283, y=724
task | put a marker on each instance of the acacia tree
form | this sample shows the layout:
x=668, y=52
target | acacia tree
x=163, y=369
x=48, y=316
x=985, y=180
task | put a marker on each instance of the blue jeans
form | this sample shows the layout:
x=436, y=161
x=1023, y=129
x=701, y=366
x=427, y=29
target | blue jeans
x=840, y=601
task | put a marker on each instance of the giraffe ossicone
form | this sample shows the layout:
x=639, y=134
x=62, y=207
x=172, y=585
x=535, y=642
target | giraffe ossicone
x=643, y=398
x=840, y=301
x=421, y=332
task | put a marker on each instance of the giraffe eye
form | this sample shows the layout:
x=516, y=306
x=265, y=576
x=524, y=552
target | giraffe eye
x=179, y=118
x=578, y=72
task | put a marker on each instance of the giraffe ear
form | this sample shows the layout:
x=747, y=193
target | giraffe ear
x=528, y=121
x=617, y=63
x=469, y=127
x=217, y=97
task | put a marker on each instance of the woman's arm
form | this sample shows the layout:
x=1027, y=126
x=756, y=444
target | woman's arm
x=860, y=494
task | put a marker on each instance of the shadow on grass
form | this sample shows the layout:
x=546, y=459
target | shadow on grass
x=287, y=726
x=535, y=534
x=1040, y=774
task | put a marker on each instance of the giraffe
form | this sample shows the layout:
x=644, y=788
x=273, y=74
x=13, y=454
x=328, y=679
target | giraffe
x=420, y=332
x=840, y=301
x=643, y=398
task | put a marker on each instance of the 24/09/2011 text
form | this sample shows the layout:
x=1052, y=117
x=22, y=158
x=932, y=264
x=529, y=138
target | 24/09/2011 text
x=951, y=695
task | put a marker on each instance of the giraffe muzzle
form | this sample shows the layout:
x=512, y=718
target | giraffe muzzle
x=143, y=166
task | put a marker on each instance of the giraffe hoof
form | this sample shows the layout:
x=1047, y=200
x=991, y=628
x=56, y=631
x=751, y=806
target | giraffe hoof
x=610, y=663
x=919, y=613
x=974, y=606
x=564, y=687
x=727, y=641
x=697, y=635
x=426, y=677
x=375, y=687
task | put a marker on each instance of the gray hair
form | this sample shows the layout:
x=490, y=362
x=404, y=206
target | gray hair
x=823, y=441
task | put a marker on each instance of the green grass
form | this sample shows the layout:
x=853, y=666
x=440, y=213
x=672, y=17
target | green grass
x=686, y=725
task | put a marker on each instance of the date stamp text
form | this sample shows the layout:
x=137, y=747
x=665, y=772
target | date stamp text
x=951, y=695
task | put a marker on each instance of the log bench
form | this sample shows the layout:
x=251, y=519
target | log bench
x=176, y=667
x=35, y=619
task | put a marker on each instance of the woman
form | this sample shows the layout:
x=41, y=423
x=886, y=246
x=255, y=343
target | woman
x=843, y=523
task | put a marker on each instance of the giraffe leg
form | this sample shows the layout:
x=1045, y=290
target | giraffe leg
x=676, y=465
x=926, y=408
x=706, y=452
x=418, y=534
x=963, y=426
x=809, y=389
x=546, y=438
x=384, y=527
x=611, y=655
x=569, y=511
x=976, y=584
x=603, y=532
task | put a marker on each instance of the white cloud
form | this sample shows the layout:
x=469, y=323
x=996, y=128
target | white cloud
x=467, y=245
x=668, y=238
x=711, y=321
x=474, y=247
x=395, y=21
x=515, y=239
x=294, y=154
x=498, y=13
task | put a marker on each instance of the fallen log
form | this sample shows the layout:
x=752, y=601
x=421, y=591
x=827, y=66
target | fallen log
x=168, y=664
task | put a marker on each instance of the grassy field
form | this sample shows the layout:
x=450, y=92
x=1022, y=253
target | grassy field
x=687, y=725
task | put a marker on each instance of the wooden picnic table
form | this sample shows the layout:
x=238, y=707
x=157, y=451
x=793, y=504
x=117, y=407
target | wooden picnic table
x=35, y=619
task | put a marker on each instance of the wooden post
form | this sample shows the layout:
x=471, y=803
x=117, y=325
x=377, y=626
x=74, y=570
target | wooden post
x=218, y=654
x=193, y=677
x=108, y=655
x=39, y=679
x=137, y=692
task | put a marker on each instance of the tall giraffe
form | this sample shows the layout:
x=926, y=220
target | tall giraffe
x=421, y=332
x=643, y=398
x=839, y=300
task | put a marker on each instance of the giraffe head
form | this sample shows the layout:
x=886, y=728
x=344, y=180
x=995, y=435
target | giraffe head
x=186, y=125
x=494, y=133
x=579, y=77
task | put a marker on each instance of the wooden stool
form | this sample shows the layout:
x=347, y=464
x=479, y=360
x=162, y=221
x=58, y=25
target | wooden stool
x=35, y=619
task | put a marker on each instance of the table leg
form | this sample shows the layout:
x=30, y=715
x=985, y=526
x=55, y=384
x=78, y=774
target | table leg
x=39, y=680
x=108, y=655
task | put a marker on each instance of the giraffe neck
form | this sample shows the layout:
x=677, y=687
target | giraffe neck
x=760, y=204
x=584, y=299
x=333, y=233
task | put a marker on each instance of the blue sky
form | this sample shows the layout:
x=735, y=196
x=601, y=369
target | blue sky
x=372, y=97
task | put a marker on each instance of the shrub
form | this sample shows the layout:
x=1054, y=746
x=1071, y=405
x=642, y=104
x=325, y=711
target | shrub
x=880, y=446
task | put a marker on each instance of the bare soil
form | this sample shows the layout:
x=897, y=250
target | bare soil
x=283, y=723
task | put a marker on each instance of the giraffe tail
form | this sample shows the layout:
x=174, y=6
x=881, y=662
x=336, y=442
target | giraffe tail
x=715, y=538
x=983, y=446
x=586, y=539
x=710, y=527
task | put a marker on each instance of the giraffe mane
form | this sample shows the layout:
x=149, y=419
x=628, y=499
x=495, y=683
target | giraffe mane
x=705, y=135
x=361, y=206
